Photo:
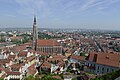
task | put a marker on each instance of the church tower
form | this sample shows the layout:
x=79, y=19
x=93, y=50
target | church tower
x=35, y=34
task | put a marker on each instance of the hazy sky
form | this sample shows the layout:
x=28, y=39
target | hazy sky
x=90, y=14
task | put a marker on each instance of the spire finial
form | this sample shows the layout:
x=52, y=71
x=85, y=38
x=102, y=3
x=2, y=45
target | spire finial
x=35, y=19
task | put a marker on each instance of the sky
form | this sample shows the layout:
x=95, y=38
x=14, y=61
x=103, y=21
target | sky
x=82, y=14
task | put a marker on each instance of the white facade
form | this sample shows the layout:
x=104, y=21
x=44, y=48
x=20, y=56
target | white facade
x=14, y=77
x=99, y=68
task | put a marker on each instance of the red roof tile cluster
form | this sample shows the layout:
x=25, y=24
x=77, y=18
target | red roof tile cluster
x=61, y=63
x=32, y=70
x=19, y=48
x=13, y=73
x=110, y=59
x=59, y=56
x=46, y=64
x=17, y=66
x=80, y=58
x=3, y=61
x=57, y=77
x=11, y=57
x=22, y=54
x=1, y=68
x=56, y=57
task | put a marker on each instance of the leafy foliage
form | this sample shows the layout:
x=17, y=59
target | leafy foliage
x=82, y=54
x=26, y=38
x=2, y=40
x=45, y=36
x=74, y=79
x=45, y=77
x=109, y=76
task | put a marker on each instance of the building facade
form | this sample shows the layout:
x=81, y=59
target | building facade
x=102, y=63
x=49, y=46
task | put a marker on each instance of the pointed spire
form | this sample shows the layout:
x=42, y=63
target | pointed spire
x=35, y=34
x=35, y=19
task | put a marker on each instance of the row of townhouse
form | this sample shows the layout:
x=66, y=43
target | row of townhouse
x=17, y=65
x=54, y=64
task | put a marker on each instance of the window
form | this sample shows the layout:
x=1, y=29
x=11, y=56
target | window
x=98, y=67
x=112, y=69
x=103, y=69
x=107, y=69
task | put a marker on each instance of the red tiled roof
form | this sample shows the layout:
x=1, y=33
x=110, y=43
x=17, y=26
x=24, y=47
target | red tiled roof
x=110, y=59
x=19, y=48
x=53, y=59
x=91, y=57
x=57, y=77
x=61, y=63
x=49, y=42
x=82, y=58
x=46, y=65
x=3, y=61
x=13, y=73
x=22, y=54
x=11, y=56
x=17, y=66
x=32, y=70
x=30, y=58
x=57, y=57
x=1, y=67
x=6, y=69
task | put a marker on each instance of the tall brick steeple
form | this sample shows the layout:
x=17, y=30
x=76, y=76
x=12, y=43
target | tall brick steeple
x=35, y=34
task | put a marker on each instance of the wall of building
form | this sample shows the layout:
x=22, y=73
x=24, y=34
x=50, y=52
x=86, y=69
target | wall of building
x=50, y=49
x=14, y=77
x=99, y=68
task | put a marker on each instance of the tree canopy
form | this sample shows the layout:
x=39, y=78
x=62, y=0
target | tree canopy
x=109, y=76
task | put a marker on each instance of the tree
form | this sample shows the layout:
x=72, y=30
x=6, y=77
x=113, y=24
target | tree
x=109, y=76
x=74, y=78
x=82, y=54
x=2, y=40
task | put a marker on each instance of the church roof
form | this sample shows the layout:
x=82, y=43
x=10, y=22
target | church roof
x=49, y=42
